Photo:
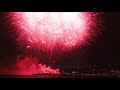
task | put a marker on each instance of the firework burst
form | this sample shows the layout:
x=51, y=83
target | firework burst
x=48, y=34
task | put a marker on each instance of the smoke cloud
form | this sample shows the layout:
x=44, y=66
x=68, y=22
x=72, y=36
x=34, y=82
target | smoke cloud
x=28, y=66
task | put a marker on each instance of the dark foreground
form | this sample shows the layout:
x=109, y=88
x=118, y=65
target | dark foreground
x=99, y=75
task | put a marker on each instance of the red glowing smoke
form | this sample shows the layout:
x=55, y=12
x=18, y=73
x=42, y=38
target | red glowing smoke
x=28, y=66
x=47, y=30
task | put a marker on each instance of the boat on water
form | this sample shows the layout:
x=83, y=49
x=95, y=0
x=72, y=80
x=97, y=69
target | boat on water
x=47, y=74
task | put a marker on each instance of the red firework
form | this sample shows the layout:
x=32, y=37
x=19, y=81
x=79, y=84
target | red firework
x=48, y=30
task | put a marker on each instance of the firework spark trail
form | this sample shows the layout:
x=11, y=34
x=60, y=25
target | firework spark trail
x=49, y=33
x=47, y=30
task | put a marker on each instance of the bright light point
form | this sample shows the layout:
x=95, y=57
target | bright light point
x=28, y=46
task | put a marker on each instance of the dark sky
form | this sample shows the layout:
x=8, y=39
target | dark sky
x=105, y=50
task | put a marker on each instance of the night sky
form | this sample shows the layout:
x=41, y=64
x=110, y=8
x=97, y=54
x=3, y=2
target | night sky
x=105, y=49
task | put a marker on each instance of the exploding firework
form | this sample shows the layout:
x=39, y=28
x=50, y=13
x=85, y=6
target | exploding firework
x=49, y=30
x=49, y=34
